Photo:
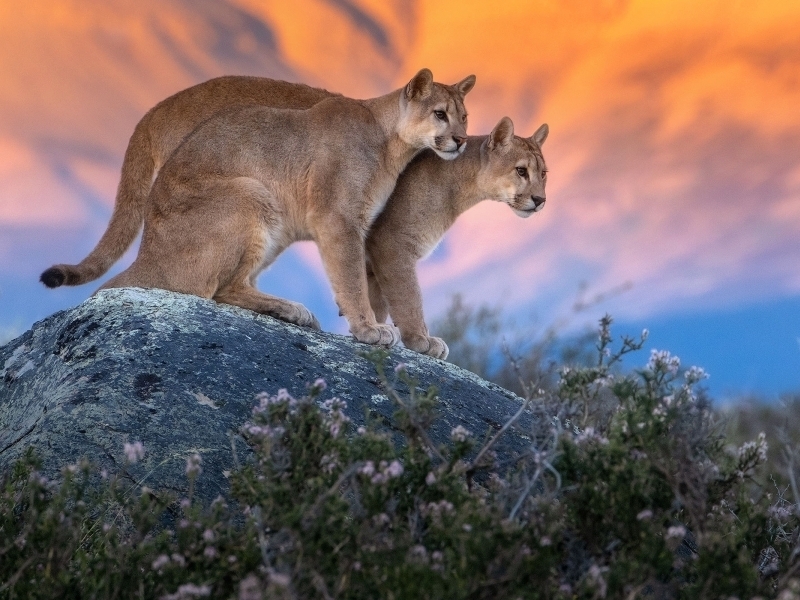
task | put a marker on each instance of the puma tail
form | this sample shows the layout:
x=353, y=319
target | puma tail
x=136, y=179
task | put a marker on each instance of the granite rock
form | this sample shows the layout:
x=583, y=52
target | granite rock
x=180, y=373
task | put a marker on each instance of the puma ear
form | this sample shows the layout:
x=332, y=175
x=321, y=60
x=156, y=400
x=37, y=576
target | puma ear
x=541, y=135
x=465, y=85
x=420, y=86
x=502, y=134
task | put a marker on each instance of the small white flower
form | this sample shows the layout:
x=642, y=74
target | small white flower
x=662, y=360
x=780, y=513
x=160, y=562
x=328, y=463
x=321, y=384
x=418, y=553
x=38, y=478
x=645, y=515
x=280, y=579
x=400, y=367
x=193, y=463
x=762, y=447
x=395, y=469
x=676, y=531
x=208, y=535
x=264, y=431
x=188, y=590
x=694, y=374
x=590, y=435
x=436, y=509
x=133, y=452
x=430, y=478
x=381, y=519
x=178, y=559
x=460, y=434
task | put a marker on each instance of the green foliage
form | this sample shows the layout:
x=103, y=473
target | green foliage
x=627, y=488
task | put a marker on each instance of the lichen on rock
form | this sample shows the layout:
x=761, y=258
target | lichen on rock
x=180, y=373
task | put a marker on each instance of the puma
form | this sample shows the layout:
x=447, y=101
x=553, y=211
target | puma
x=154, y=139
x=428, y=198
x=250, y=181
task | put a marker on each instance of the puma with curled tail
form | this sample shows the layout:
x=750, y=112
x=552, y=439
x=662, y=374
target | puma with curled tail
x=428, y=198
x=251, y=180
x=154, y=139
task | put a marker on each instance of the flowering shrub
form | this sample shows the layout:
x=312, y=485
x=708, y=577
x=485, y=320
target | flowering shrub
x=626, y=488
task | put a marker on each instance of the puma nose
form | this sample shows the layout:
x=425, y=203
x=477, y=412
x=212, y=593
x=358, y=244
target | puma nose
x=538, y=201
x=459, y=141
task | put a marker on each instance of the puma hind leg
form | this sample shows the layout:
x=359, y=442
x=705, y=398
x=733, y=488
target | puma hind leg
x=261, y=248
x=247, y=297
x=214, y=248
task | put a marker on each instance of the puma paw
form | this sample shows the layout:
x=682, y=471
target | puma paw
x=379, y=334
x=299, y=315
x=425, y=344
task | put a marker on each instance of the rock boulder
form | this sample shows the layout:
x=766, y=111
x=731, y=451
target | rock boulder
x=180, y=374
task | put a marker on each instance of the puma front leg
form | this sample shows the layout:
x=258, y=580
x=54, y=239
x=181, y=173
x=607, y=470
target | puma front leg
x=397, y=277
x=341, y=246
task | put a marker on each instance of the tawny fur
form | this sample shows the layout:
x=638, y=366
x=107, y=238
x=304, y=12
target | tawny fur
x=250, y=181
x=428, y=198
x=154, y=139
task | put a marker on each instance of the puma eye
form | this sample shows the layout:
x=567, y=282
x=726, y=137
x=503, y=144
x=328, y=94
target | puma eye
x=544, y=174
x=464, y=118
x=440, y=114
x=522, y=172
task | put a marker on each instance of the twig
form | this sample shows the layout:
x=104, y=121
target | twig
x=349, y=472
x=419, y=428
x=473, y=465
x=792, y=480
x=525, y=493
x=10, y=583
x=262, y=540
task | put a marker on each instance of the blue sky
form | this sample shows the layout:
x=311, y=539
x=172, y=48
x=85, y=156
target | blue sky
x=673, y=155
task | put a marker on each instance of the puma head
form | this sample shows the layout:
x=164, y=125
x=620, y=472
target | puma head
x=513, y=168
x=433, y=114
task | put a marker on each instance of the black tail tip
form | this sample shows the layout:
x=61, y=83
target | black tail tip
x=53, y=277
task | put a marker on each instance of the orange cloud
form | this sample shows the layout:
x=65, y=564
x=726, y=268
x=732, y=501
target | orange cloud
x=674, y=125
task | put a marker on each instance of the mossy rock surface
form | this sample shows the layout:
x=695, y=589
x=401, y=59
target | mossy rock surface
x=180, y=374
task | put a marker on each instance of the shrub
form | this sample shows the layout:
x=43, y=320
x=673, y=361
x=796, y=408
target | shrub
x=626, y=488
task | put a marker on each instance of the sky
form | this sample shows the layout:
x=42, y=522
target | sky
x=673, y=155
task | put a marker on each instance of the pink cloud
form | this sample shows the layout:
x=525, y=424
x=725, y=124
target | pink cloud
x=674, y=127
